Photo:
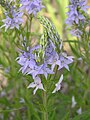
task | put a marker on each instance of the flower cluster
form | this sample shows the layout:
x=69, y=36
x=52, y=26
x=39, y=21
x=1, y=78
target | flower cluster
x=42, y=59
x=31, y=66
x=13, y=21
x=31, y=6
x=76, y=17
x=13, y=17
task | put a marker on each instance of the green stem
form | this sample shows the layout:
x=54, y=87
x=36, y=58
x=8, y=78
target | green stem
x=28, y=34
x=45, y=115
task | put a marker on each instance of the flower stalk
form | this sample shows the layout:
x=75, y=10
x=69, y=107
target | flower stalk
x=45, y=114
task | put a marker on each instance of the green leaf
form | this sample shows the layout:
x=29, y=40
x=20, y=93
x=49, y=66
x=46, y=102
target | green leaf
x=83, y=116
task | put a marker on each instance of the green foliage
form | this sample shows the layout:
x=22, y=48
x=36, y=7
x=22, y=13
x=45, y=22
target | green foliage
x=84, y=116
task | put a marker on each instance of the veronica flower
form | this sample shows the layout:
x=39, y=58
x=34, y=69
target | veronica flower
x=12, y=21
x=58, y=85
x=79, y=111
x=27, y=60
x=49, y=51
x=75, y=14
x=53, y=60
x=73, y=102
x=31, y=6
x=37, y=83
x=64, y=61
x=74, y=18
x=51, y=55
x=76, y=32
x=42, y=69
x=29, y=65
x=83, y=5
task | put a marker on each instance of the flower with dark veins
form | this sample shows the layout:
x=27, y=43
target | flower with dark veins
x=64, y=61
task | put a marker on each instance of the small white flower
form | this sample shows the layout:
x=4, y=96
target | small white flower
x=58, y=85
x=37, y=83
x=80, y=58
x=79, y=111
x=22, y=100
x=73, y=102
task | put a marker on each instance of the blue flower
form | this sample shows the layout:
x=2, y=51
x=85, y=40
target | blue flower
x=42, y=69
x=13, y=19
x=37, y=83
x=31, y=66
x=27, y=61
x=76, y=16
x=61, y=60
x=31, y=6
x=64, y=61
